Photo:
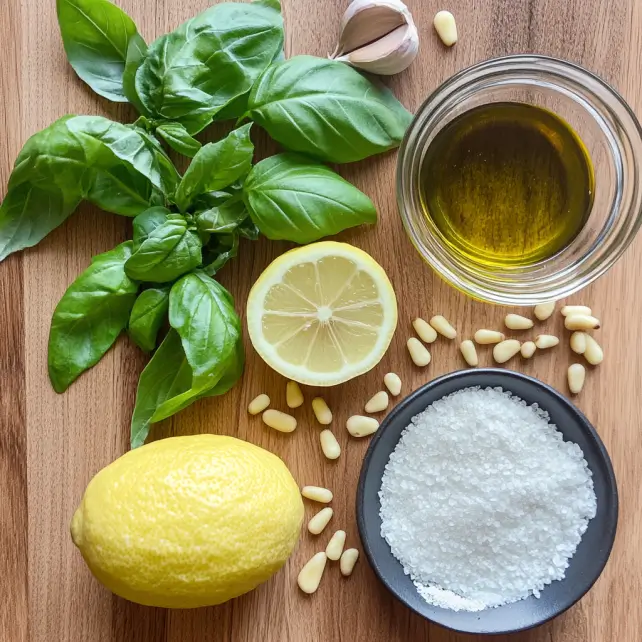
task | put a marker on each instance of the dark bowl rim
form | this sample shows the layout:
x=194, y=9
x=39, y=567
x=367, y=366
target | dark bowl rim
x=481, y=372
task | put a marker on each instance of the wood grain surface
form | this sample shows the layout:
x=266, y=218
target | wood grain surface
x=51, y=445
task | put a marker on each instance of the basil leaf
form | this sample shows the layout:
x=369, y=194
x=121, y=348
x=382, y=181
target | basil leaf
x=327, y=109
x=292, y=198
x=90, y=316
x=166, y=375
x=169, y=251
x=147, y=316
x=216, y=165
x=145, y=223
x=178, y=138
x=222, y=219
x=96, y=35
x=248, y=229
x=202, y=312
x=136, y=52
x=47, y=184
x=193, y=72
x=217, y=256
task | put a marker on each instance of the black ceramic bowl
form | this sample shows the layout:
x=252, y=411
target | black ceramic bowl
x=591, y=555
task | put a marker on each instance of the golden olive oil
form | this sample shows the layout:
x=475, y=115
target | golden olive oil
x=507, y=184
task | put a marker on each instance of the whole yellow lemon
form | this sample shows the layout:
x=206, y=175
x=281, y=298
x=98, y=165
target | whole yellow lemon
x=188, y=521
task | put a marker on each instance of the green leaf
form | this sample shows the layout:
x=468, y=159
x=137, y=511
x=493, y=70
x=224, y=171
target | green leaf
x=146, y=222
x=295, y=199
x=202, y=312
x=167, y=252
x=216, y=165
x=327, y=109
x=193, y=72
x=178, y=138
x=166, y=375
x=136, y=52
x=90, y=316
x=96, y=35
x=147, y=316
x=216, y=256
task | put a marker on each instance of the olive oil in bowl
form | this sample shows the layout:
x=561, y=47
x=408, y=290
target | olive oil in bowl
x=507, y=184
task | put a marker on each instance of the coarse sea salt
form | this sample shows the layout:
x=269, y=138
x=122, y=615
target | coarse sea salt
x=483, y=502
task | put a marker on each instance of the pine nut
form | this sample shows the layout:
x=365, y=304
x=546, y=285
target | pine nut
x=469, y=353
x=442, y=326
x=593, y=353
x=359, y=426
x=418, y=352
x=424, y=330
x=317, y=494
x=581, y=322
x=528, y=349
x=348, y=560
x=517, y=322
x=544, y=310
x=258, y=404
x=543, y=341
x=329, y=445
x=321, y=411
x=505, y=350
x=393, y=383
x=570, y=310
x=484, y=337
x=378, y=403
x=335, y=546
x=446, y=27
x=293, y=394
x=280, y=421
x=578, y=342
x=311, y=574
x=320, y=520
x=576, y=375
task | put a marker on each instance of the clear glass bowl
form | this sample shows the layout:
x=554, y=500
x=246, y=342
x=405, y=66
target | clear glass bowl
x=608, y=129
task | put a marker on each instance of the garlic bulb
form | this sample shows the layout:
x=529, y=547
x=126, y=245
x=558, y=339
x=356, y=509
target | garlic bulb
x=377, y=36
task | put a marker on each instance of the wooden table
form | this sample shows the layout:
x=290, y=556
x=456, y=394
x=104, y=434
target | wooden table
x=51, y=445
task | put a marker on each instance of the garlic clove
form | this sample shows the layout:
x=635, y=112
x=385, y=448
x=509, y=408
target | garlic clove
x=389, y=55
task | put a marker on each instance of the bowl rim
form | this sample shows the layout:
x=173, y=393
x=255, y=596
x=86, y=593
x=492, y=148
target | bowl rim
x=585, y=425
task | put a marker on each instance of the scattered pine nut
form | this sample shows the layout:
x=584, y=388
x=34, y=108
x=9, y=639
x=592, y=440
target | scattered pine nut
x=280, y=421
x=543, y=341
x=393, y=383
x=505, y=350
x=320, y=520
x=317, y=494
x=378, y=403
x=321, y=411
x=418, y=352
x=330, y=445
x=348, y=560
x=469, y=353
x=258, y=404
x=442, y=326
x=335, y=546
x=446, y=27
x=528, y=349
x=576, y=375
x=311, y=574
x=578, y=342
x=360, y=426
x=544, y=310
x=517, y=322
x=570, y=310
x=484, y=337
x=581, y=322
x=293, y=394
x=424, y=330
x=593, y=353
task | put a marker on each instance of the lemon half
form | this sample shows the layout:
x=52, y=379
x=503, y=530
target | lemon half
x=322, y=314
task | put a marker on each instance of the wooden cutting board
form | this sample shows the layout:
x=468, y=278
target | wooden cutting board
x=51, y=445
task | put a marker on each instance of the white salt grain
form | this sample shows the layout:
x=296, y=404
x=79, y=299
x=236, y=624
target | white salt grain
x=482, y=501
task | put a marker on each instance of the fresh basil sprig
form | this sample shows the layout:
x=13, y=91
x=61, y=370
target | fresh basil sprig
x=91, y=314
x=327, y=110
x=295, y=199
